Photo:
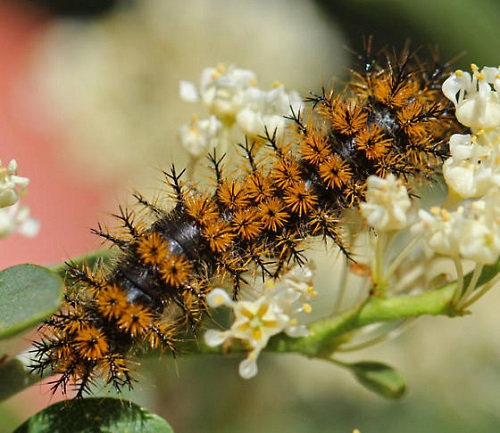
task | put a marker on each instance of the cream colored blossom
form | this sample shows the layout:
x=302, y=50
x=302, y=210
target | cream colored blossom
x=437, y=227
x=11, y=185
x=222, y=90
x=201, y=136
x=476, y=97
x=479, y=235
x=471, y=232
x=232, y=97
x=266, y=109
x=13, y=217
x=16, y=218
x=473, y=167
x=219, y=297
x=256, y=321
x=387, y=204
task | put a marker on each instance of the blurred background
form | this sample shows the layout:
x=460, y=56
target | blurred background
x=90, y=108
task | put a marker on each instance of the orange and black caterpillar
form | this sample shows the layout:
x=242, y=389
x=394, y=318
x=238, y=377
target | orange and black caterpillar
x=391, y=117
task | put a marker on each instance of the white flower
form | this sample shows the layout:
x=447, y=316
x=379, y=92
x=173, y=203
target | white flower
x=216, y=338
x=479, y=235
x=248, y=367
x=218, y=297
x=438, y=229
x=293, y=292
x=471, y=232
x=270, y=314
x=232, y=96
x=261, y=109
x=473, y=166
x=476, y=97
x=480, y=243
x=16, y=219
x=221, y=90
x=11, y=185
x=255, y=323
x=387, y=204
x=188, y=91
x=200, y=136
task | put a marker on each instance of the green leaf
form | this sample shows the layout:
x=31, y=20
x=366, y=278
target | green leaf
x=14, y=377
x=380, y=378
x=28, y=294
x=95, y=415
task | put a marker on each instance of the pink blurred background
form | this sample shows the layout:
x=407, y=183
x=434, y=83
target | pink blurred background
x=62, y=201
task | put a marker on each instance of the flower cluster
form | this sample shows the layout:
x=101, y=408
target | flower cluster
x=468, y=226
x=273, y=312
x=11, y=185
x=474, y=168
x=12, y=216
x=201, y=135
x=471, y=230
x=232, y=97
x=387, y=203
x=476, y=97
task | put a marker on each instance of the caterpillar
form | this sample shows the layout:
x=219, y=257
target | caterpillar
x=390, y=117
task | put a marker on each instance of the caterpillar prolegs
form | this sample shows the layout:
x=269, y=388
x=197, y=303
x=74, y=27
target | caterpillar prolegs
x=390, y=117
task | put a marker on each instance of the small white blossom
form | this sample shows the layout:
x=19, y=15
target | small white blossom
x=293, y=293
x=188, y=91
x=215, y=338
x=257, y=321
x=11, y=185
x=13, y=217
x=222, y=90
x=471, y=232
x=437, y=227
x=218, y=297
x=270, y=314
x=200, y=136
x=473, y=166
x=261, y=109
x=479, y=235
x=480, y=243
x=16, y=219
x=387, y=203
x=232, y=97
x=248, y=367
x=476, y=97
